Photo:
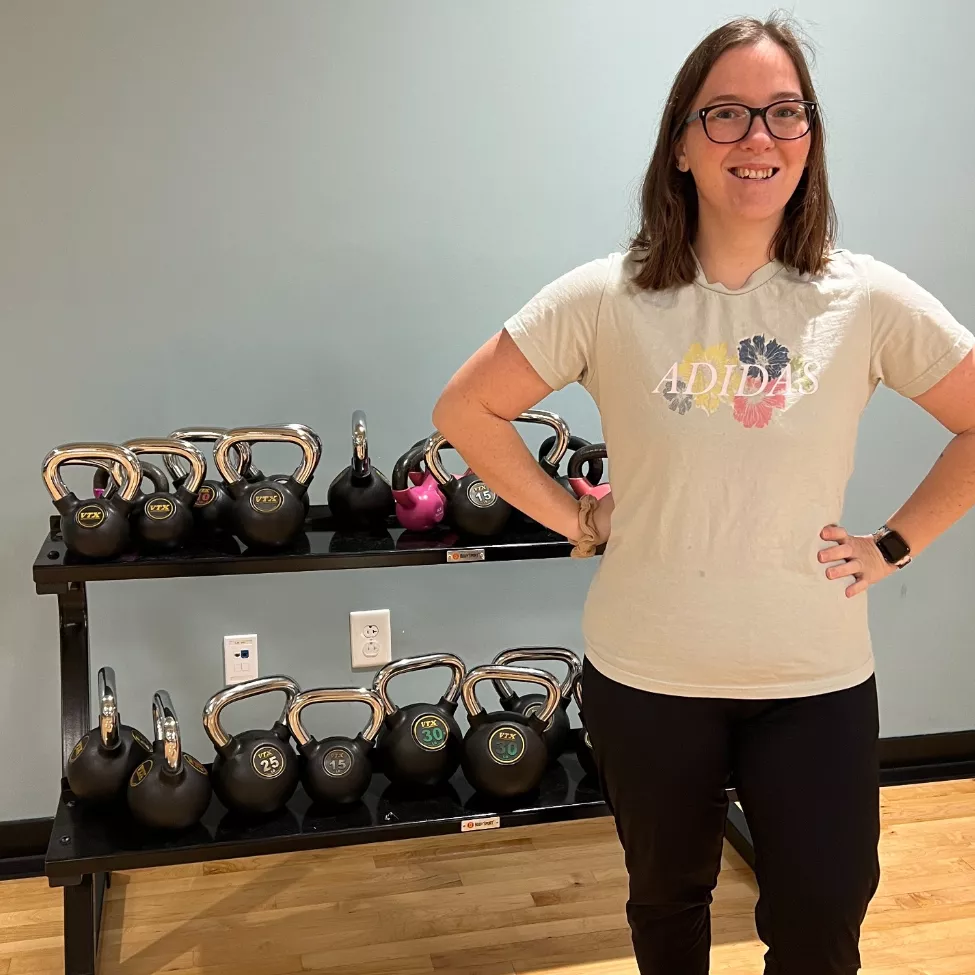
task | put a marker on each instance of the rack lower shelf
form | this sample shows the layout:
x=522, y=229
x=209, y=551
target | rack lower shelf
x=86, y=841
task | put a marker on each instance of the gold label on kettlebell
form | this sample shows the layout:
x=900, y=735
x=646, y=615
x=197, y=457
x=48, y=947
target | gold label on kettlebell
x=160, y=509
x=78, y=749
x=337, y=762
x=480, y=495
x=268, y=761
x=90, y=516
x=193, y=763
x=266, y=500
x=430, y=732
x=204, y=496
x=140, y=739
x=140, y=773
x=506, y=745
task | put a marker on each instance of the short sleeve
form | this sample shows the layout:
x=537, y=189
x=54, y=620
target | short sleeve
x=556, y=330
x=915, y=340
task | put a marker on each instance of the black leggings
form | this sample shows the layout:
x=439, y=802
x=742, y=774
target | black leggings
x=806, y=772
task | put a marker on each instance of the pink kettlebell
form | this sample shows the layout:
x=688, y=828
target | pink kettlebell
x=420, y=504
x=579, y=484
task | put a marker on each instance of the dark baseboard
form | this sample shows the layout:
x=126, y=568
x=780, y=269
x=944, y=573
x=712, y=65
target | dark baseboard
x=918, y=758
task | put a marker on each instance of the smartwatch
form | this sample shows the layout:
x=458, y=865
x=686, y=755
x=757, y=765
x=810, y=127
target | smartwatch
x=892, y=546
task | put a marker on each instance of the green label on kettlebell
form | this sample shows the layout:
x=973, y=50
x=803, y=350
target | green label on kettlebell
x=204, y=496
x=534, y=709
x=506, y=745
x=160, y=509
x=430, y=732
x=267, y=500
x=140, y=739
x=140, y=773
x=78, y=749
x=268, y=761
x=480, y=495
x=193, y=763
x=337, y=762
x=90, y=516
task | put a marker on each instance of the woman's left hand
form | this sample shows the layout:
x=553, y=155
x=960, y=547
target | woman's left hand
x=859, y=556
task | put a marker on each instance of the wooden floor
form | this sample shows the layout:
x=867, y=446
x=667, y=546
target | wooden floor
x=532, y=900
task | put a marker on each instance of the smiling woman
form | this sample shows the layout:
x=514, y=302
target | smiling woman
x=731, y=351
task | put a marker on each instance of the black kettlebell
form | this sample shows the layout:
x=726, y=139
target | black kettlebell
x=550, y=462
x=212, y=508
x=164, y=521
x=420, y=744
x=255, y=772
x=170, y=790
x=102, y=760
x=104, y=485
x=336, y=770
x=271, y=512
x=557, y=729
x=472, y=507
x=583, y=749
x=254, y=474
x=360, y=497
x=504, y=752
x=96, y=528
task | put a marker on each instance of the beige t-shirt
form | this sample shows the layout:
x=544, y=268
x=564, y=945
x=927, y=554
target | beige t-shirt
x=730, y=418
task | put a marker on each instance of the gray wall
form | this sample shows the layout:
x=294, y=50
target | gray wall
x=247, y=212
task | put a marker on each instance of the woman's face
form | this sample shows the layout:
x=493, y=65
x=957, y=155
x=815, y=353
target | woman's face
x=755, y=75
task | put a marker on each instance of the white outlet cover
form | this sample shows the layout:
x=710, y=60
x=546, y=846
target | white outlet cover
x=370, y=638
x=240, y=658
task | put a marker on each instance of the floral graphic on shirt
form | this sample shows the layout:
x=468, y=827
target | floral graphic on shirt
x=767, y=353
x=704, y=369
x=754, y=408
x=679, y=400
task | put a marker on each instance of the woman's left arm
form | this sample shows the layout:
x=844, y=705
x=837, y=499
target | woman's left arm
x=945, y=494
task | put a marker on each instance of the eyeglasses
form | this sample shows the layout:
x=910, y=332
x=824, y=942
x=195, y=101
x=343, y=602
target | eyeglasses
x=731, y=122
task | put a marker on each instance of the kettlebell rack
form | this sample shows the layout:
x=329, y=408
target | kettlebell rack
x=86, y=846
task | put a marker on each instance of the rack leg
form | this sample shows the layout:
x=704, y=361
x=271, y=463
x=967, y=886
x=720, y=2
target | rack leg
x=82, y=924
x=75, y=686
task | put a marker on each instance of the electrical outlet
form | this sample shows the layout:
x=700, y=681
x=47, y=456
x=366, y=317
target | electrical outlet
x=371, y=639
x=240, y=658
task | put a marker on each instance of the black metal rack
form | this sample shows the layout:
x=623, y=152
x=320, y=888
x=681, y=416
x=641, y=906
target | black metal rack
x=86, y=846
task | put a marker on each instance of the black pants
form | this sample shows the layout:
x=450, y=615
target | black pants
x=807, y=776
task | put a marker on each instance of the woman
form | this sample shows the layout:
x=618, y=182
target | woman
x=731, y=351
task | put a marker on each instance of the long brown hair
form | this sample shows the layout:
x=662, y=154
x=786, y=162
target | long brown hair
x=668, y=200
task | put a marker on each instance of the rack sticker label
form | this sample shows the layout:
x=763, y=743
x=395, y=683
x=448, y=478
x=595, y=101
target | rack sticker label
x=465, y=555
x=482, y=822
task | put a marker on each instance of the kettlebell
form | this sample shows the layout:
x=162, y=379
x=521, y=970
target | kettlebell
x=420, y=744
x=584, y=752
x=255, y=772
x=271, y=512
x=504, y=752
x=170, y=790
x=419, y=505
x=557, y=729
x=96, y=528
x=550, y=463
x=211, y=510
x=582, y=485
x=164, y=521
x=102, y=760
x=255, y=474
x=104, y=485
x=336, y=769
x=472, y=507
x=360, y=497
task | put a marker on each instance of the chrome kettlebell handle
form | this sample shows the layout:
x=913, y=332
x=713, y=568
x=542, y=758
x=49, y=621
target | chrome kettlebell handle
x=238, y=692
x=325, y=695
x=431, y=456
x=529, y=674
x=108, y=720
x=360, y=445
x=409, y=664
x=166, y=446
x=296, y=433
x=166, y=725
x=88, y=453
x=204, y=435
x=520, y=654
x=560, y=427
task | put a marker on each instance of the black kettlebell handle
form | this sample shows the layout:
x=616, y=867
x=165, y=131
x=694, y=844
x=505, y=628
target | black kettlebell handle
x=205, y=435
x=528, y=674
x=407, y=462
x=595, y=473
x=562, y=435
x=238, y=692
x=588, y=454
x=409, y=664
x=165, y=446
x=325, y=695
x=521, y=654
x=167, y=730
x=90, y=453
x=296, y=433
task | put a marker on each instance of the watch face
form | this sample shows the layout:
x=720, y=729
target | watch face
x=893, y=546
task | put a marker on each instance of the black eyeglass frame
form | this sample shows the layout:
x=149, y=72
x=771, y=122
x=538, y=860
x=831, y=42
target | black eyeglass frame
x=701, y=114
